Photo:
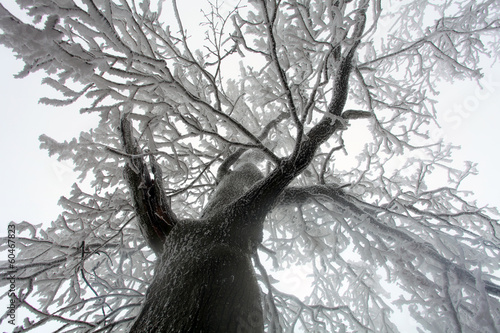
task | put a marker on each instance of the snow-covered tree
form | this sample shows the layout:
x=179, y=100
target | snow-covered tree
x=272, y=136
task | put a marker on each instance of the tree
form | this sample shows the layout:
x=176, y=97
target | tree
x=278, y=138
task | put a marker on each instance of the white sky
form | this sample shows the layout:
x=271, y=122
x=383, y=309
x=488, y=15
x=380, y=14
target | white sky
x=33, y=182
x=469, y=116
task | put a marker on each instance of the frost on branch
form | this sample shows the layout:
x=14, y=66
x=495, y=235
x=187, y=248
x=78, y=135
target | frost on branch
x=338, y=100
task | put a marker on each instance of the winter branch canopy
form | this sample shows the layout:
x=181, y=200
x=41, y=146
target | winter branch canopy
x=262, y=143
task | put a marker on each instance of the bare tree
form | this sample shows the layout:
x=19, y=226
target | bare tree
x=242, y=151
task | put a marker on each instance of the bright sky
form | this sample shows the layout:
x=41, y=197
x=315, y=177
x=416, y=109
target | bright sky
x=33, y=182
x=469, y=116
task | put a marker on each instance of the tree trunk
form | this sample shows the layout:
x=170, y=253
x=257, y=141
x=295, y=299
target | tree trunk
x=204, y=282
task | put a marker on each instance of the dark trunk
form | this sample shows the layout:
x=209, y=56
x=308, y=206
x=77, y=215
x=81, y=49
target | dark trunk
x=204, y=282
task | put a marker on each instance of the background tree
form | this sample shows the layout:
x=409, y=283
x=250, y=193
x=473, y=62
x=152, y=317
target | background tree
x=316, y=80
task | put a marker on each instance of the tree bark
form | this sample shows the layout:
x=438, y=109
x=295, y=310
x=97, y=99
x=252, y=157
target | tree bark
x=204, y=282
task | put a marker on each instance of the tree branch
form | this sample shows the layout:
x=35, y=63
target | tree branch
x=156, y=218
x=300, y=195
x=231, y=159
x=252, y=208
x=281, y=72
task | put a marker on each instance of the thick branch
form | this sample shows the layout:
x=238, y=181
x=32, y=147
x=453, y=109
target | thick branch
x=331, y=122
x=153, y=211
x=259, y=200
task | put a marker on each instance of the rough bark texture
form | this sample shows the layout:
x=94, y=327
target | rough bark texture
x=203, y=283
